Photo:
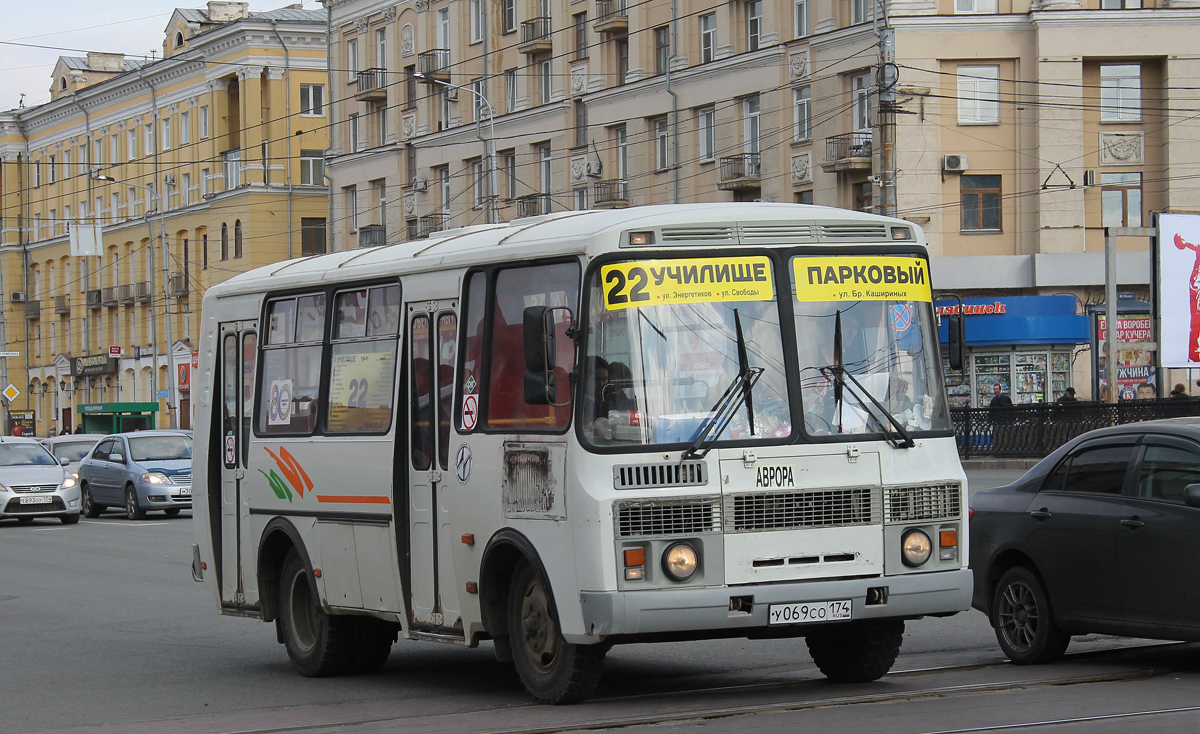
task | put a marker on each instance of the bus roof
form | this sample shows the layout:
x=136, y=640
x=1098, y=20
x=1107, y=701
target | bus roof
x=590, y=233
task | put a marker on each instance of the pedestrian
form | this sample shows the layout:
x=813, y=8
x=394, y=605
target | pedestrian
x=79, y=429
x=66, y=431
x=1069, y=396
x=999, y=399
x=1180, y=391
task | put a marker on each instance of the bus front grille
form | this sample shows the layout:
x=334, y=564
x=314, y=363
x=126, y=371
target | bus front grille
x=677, y=516
x=819, y=508
x=646, y=476
x=923, y=502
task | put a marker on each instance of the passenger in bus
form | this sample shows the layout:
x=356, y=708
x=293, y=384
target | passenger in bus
x=615, y=395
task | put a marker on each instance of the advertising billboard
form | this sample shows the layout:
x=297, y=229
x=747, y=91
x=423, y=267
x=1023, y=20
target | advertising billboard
x=1179, y=289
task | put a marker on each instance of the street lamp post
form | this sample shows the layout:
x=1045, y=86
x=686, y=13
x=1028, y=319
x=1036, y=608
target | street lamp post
x=489, y=144
x=166, y=290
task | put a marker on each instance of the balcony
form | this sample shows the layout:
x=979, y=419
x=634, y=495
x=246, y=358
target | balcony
x=848, y=152
x=372, y=86
x=62, y=305
x=532, y=205
x=33, y=309
x=108, y=296
x=141, y=291
x=535, y=37
x=740, y=172
x=431, y=223
x=612, y=194
x=93, y=298
x=612, y=16
x=434, y=65
x=125, y=294
x=178, y=285
x=372, y=235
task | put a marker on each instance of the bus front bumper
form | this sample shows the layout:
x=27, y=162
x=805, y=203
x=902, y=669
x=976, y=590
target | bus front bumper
x=668, y=611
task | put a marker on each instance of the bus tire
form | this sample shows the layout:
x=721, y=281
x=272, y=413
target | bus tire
x=318, y=644
x=552, y=670
x=856, y=652
x=91, y=510
x=372, y=645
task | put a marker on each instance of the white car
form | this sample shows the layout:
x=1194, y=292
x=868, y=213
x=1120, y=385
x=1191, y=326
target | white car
x=34, y=484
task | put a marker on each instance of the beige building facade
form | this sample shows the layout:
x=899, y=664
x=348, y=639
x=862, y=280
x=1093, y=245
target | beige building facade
x=217, y=148
x=1022, y=130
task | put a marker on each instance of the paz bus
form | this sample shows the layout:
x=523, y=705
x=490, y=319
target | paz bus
x=583, y=429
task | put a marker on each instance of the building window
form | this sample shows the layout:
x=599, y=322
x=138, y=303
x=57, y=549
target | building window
x=862, y=102
x=708, y=37
x=980, y=202
x=356, y=142
x=478, y=21
x=546, y=72
x=1120, y=92
x=662, y=49
x=185, y=128
x=804, y=197
x=224, y=241
x=166, y=134
x=510, y=90
x=381, y=49
x=443, y=175
x=1121, y=199
x=237, y=238
x=186, y=187
x=446, y=109
x=706, y=127
x=381, y=119
x=114, y=148
x=753, y=124
x=622, y=46
x=544, y=159
x=312, y=100
x=232, y=163
x=508, y=15
x=581, y=199
x=54, y=168
x=802, y=109
x=312, y=167
x=1120, y=4
x=203, y=123
x=754, y=21
x=581, y=123
x=410, y=86
x=581, y=39
x=662, y=140
x=860, y=11
x=478, y=185
x=352, y=207
x=148, y=140
x=968, y=7
x=864, y=197
x=312, y=236
x=803, y=19
x=978, y=95
x=352, y=59
x=479, y=98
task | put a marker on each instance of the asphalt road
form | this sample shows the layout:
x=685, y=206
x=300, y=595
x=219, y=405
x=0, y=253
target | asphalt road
x=102, y=629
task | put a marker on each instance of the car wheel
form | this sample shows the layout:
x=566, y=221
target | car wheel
x=553, y=670
x=856, y=652
x=1023, y=619
x=133, y=510
x=91, y=510
x=172, y=512
x=318, y=644
x=69, y=519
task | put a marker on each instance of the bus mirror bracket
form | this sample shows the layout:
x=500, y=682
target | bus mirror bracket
x=956, y=335
x=541, y=388
x=537, y=329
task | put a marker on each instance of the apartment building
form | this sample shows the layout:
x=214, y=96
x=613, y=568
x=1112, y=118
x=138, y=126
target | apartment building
x=1022, y=130
x=216, y=147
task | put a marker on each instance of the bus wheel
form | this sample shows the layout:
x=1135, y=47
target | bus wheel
x=856, y=652
x=318, y=644
x=372, y=645
x=552, y=670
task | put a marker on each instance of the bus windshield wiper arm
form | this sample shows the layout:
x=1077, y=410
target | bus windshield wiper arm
x=722, y=412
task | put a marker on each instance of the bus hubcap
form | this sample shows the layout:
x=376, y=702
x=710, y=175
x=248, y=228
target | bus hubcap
x=541, y=633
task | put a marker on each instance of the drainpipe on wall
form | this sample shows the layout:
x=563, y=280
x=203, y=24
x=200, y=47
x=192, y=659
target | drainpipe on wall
x=287, y=111
x=674, y=109
x=329, y=223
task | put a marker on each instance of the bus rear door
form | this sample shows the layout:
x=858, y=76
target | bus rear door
x=239, y=347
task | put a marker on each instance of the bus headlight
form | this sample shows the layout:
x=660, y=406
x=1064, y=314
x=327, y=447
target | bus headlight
x=915, y=547
x=680, y=561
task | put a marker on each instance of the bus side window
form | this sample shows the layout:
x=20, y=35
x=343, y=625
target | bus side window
x=515, y=290
x=362, y=372
x=470, y=378
x=288, y=403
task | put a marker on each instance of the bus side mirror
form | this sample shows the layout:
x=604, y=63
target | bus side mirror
x=957, y=339
x=539, y=340
x=541, y=388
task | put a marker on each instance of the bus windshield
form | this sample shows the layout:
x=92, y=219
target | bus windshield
x=877, y=310
x=663, y=347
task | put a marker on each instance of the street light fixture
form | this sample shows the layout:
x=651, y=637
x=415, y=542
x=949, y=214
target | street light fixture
x=489, y=143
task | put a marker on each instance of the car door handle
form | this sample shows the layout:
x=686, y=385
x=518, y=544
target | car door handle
x=1132, y=523
x=1042, y=514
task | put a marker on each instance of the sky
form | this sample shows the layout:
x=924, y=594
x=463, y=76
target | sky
x=132, y=27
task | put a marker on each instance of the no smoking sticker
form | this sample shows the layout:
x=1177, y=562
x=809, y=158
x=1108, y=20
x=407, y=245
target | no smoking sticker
x=470, y=412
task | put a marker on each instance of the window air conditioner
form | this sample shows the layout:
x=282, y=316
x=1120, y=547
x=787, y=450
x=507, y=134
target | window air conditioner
x=420, y=184
x=954, y=163
x=17, y=296
x=595, y=169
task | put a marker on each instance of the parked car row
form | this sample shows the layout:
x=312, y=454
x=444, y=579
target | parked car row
x=66, y=476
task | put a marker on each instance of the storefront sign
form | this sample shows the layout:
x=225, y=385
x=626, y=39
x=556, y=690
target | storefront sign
x=1178, y=257
x=996, y=308
x=94, y=364
x=1013, y=320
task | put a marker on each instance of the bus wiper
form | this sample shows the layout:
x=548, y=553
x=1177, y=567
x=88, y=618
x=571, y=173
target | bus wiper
x=838, y=372
x=726, y=407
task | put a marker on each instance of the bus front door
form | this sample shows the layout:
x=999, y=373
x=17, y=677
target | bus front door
x=433, y=335
x=239, y=345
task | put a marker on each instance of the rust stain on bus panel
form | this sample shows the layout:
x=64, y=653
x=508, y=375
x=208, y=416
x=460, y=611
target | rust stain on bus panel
x=533, y=481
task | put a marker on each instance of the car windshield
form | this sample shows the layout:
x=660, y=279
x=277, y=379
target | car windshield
x=25, y=454
x=160, y=448
x=74, y=450
x=881, y=307
x=668, y=339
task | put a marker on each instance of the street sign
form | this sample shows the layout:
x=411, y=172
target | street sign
x=11, y=392
x=10, y=354
x=162, y=394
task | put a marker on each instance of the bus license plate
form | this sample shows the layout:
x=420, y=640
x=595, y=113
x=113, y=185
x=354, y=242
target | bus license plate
x=37, y=500
x=824, y=611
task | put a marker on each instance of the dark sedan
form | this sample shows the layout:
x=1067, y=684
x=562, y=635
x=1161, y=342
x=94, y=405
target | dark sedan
x=1101, y=536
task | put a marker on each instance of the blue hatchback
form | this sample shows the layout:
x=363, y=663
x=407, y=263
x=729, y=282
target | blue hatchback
x=143, y=470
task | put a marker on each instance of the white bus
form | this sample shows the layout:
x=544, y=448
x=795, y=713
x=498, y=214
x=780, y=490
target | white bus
x=583, y=429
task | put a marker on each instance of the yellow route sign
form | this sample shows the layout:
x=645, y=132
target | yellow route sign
x=687, y=280
x=861, y=278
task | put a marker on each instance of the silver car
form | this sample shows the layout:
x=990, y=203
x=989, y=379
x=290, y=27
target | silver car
x=72, y=447
x=34, y=484
x=142, y=471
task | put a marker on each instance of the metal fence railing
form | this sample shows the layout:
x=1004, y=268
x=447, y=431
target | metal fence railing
x=1034, y=431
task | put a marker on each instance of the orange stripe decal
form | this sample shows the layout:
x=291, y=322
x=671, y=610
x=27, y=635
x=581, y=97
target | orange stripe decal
x=354, y=499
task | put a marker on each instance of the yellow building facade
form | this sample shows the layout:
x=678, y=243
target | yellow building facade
x=193, y=167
